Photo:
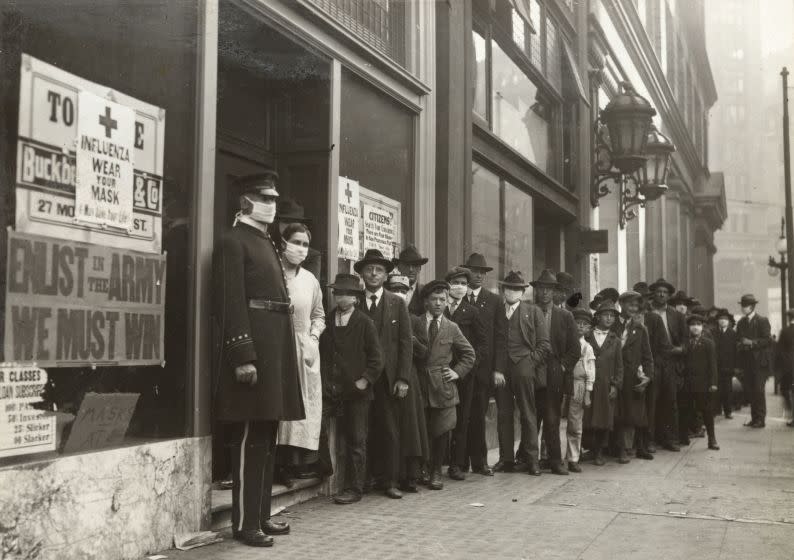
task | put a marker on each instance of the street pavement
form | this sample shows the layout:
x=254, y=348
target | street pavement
x=734, y=503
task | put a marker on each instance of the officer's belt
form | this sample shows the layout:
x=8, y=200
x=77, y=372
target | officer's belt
x=267, y=305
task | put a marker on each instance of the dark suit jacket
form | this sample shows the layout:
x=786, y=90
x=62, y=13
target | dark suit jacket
x=495, y=323
x=758, y=330
x=467, y=317
x=679, y=334
x=659, y=340
x=533, y=332
x=725, y=343
x=449, y=349
x=565, y=349
x=395, y=339
x=701, y=365
x=416, y=306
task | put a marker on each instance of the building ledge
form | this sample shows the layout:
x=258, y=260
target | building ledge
x=711, y=203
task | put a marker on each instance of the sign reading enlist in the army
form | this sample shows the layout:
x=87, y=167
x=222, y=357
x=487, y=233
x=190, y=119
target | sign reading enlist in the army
x=71, y=303
x=72, y=129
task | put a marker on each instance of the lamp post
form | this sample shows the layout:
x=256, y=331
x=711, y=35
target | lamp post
x=787, y=185
x=631, y=152
x=780, y=267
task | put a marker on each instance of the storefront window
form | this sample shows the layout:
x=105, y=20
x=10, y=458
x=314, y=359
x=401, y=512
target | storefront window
x=480, y=76
x=98, y=389
x=522, y=114
x=518, y=230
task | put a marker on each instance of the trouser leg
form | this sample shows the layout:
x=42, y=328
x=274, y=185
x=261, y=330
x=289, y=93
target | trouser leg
x=440, y=445
x=625, y=438
x=540, y=408
x=459, y=450
x=551, y=421
x=478, y=449
x=666, y=406
x=387, y=431
x=253, y=460
x=574, y=426
x=760, y=394
x=651, y=397
x=726, y=392
x=505, y=410
x=524, y=381
x=685, y=414
x=356, y=422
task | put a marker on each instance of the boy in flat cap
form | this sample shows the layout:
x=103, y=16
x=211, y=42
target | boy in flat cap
x=700, y=379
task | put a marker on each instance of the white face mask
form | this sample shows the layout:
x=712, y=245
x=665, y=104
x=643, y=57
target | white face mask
x=458, y=291
x=262, y=212
x=723, y=323
x=696, y=329
x=512, y=296
x=295, y=254
x=401, y=295
x=345, y=302
x=747, y=310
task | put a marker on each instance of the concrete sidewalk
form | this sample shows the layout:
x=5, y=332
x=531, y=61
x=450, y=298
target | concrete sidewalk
x=734, y=503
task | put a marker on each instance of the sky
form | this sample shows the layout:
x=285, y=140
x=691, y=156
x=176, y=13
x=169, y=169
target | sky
x=777, y=19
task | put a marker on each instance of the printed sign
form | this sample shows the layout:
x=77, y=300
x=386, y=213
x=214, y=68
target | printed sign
x=23, y=428
x=379, y=230
x=102, y=421
x=349, y=219
x=105, y=138
x=56, y=110
x=71, y=303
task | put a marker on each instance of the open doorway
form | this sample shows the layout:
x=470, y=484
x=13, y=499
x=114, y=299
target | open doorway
x=273, y=112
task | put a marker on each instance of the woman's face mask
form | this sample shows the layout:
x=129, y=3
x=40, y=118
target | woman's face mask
x=458, y=291
x=681, y=308
x=512, y=296
x=295, y=253
x=723, y=323
x=696, y=329
x=262, y=212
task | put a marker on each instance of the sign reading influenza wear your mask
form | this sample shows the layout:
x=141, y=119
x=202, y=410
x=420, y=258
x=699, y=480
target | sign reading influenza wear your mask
x=89, y=161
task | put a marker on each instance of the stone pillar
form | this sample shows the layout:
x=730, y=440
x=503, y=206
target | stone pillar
x=655, y=241
x=672, y=234
x=633, y=250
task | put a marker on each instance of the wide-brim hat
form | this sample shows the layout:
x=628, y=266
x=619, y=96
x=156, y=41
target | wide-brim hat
x=661, y=282
x=580, y=313
x=642, y=288
x=574, y=300
x=680, y=297
x=597, y=300
x=258, y=183
x=606, y=306
x=723, y=312
x=695, y=317
x=565, y=280
x=514, y=279
x=373, y=256
x=609, y=293
x=396, y=278
x=431, y=287
x=345, y=282
x=546, y=278
x=456, y=272
x=695, y=302
x=748, y=299
x=476, y=261
x=288, y=210
x=628, y=295
x=410, y=255
x=698, y=310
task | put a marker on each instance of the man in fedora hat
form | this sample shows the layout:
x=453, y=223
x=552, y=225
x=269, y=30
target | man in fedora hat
x=493, y=319
x=519, y=365
x=660, y=350
x=754, y=334
x=554, y=378
x=352, y=363
x=289, y=212
x=785, y=349
x=565, y=288
x=726, y=344
x=410, y=263
x=390, y=315
x=257, y=384
x=670, y=366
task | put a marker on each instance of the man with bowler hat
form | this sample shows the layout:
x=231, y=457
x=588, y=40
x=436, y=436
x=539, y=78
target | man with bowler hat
x=493, y=320
x=390, y=315
x=754, y=335
x=410, y=263
x=554, y=378
x=257, y=383
x=519, y=365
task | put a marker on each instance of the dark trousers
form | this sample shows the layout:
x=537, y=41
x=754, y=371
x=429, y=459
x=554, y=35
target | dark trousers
x=651, y=398
x=478, y=449
x=438, y=449
x=459, y=451
x=666, y=405
x=518, y=392
x=755, y=387
x=253, y=446
x=687, y=415
x=697, y=403
x=385, y=456
x=355, y=427
x=549, y=405
x=725, y=386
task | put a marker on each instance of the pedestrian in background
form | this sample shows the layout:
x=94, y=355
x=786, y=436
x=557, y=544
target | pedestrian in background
x=725, y=345
x=754, y=337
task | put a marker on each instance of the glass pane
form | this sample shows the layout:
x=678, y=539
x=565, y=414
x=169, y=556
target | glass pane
x=535, y=44
x=125, y=49
x=518, y=231
x=485, y=220
x=553, y=55
x=480, y=75
x=521, y=116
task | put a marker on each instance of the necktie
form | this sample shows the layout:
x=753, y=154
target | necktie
x=374, y=299
x=472, y=299
x=432, y=331
x=452, y=309
x=508, y=311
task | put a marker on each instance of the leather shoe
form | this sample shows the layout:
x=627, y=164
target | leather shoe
x=393, y=493
x=544, y=464
x=728, y=416
x=758, y=425
x=253, y=537
x=534, y=469
x=750, y=424
x=623, y=459
x=435, y=482
x=346, y=498
x=409, y=486
x=700, y=433
x=559, y=469
x=598, y=459
x=674, y=447
x=644, y=454
x=684, y=441
x=521, y=466
x=651, y=448
x=275, y=528
x=713, y=445
x=456, y=474
x=504, y=466
x=485, y=470
x=574, y=467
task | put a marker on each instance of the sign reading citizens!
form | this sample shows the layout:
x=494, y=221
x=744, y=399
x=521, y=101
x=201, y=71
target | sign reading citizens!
x=70, y=303
x=89, y=161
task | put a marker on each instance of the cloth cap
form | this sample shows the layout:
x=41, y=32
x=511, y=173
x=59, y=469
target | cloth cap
x=457, y=272
x=431, y=287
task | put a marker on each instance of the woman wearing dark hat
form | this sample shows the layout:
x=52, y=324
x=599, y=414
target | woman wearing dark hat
x=352, y=363
x=725, y=342
x=599, y=418
x=700, y=379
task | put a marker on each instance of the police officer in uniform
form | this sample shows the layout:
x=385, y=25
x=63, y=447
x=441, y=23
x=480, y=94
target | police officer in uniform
x=257, y=381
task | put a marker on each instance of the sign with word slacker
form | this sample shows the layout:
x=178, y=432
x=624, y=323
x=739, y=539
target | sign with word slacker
x=70, y=303
x=24, y=428
x=89, y=161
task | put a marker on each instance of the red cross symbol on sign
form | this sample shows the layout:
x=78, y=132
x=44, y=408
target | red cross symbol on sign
x=107, y=122
x=348, y=194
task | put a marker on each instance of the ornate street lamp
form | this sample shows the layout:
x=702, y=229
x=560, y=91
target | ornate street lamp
x=780, y=267
x=631, y=152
